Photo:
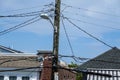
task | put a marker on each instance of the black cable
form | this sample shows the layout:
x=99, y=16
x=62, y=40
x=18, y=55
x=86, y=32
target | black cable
x=30, y=21
x=88, y=33
x=77, y=59
x=104, y=26
x=91, y=17
x=69, y=42
x=29, y=8
x=59, y=67
x=5, y=60
x=26, y=14
x=68, y=39
x=22, y=14
x=99, y=12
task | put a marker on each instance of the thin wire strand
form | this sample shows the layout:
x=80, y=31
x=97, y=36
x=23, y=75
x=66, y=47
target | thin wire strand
x=19, y=26
x=59, y=67
x=88, y=33
x=67, y=56
x=99, y=12
x=68, y=39
x=97, y=25
x=91, y=17
x=26, y=14
x=28, y=8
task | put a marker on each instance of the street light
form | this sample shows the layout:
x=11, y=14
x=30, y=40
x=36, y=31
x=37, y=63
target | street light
x=45, y=16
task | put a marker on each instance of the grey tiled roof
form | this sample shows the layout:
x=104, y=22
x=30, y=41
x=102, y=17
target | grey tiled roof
x=8, y=50
x=107, y=60
x=18, y=61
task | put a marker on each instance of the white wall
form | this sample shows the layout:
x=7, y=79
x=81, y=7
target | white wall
x=33, y=75
x=115, y=73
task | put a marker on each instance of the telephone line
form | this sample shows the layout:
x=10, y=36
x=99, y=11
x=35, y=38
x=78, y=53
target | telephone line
x=88, y=33
x=59, y=67
x=25, y=14
x=91, y=17
x=68, y=39
x=99, y=12
x=67, y=56
x=30, y=21
x=104, y=26
x=27, y=8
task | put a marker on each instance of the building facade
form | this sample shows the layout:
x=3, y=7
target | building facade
x=16, y=65
x=106, y=63
x=19, y=67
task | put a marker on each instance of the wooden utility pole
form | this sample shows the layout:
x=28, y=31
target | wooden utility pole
x=56, y=35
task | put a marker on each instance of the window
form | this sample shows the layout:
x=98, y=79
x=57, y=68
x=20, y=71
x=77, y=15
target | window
x=1, y=77
x=25, y=78
x=12, y=78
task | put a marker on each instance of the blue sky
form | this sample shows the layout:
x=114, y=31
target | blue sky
x=39, y=35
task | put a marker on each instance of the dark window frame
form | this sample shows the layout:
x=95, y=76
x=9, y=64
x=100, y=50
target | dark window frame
x=25, y=78
x=1, y=77
x=12, y=77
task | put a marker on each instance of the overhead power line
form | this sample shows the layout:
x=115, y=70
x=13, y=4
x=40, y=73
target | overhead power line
x=88, y=33
x=26, y=14
x=85, y=9
x=59, y=67
x=8, y=60
x=28, y=8
x=22, y=14
x=91, y=17
x=97, y=25
x=72, y=56
x=5, y=60
x=68, y=39
x=30, y=21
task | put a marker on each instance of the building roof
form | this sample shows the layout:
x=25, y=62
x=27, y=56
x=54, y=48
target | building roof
x=4, y=49
x=18, y=61
x=43, y=52
x=108, y=60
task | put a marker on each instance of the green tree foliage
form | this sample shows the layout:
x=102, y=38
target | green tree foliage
x=78, y=75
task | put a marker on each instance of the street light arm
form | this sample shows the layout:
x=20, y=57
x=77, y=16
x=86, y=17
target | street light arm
x=55, y=29
x=45, y=16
